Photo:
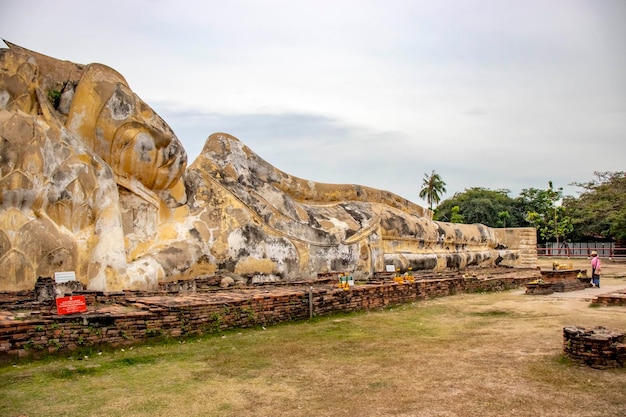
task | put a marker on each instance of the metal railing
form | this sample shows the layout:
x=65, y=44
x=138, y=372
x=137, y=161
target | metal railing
x=583, y=251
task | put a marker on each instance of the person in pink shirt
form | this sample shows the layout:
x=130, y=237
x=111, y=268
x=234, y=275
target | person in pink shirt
x=596, y=269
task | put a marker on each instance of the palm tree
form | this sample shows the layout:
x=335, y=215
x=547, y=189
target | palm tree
x=432, y=188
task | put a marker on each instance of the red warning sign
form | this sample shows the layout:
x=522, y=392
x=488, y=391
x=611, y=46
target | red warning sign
x=71, y=304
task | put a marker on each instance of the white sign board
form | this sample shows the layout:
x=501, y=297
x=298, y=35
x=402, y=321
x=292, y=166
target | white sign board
x=60, y=277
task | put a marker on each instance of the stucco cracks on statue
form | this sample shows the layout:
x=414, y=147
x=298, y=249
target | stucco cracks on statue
x=93, y=180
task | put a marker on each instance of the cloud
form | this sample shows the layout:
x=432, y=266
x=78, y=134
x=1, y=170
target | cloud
x=487, y=93
x=310, y=146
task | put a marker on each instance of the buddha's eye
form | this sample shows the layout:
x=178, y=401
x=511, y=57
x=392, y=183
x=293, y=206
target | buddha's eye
x=144, y=145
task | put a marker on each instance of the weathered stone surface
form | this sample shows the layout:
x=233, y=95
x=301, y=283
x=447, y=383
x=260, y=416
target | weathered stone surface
x=227, y=282
x=92, y=180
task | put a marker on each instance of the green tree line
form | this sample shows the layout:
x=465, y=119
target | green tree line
x=597, y=213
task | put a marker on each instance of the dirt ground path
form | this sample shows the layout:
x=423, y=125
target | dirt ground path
x=610, y=268
x=575, y=304
x=613, y=276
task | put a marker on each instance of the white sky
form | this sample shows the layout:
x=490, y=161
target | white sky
x=494, y=93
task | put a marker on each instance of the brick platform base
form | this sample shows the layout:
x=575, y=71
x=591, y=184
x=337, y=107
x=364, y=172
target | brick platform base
x=29, y=326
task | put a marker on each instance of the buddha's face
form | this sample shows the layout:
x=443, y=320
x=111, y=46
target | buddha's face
x=124, y=130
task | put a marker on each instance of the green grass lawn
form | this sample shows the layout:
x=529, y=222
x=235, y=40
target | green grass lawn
x=466, y=355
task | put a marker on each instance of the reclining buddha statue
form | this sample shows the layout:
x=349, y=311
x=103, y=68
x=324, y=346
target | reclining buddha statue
x=92, y=180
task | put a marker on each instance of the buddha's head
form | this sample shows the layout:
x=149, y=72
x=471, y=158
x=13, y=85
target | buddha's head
x=124, y=130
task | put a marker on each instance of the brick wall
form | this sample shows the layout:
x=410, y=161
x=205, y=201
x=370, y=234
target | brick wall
x=127, y=318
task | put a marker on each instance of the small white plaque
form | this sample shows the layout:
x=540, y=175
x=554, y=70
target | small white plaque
x=60, y=277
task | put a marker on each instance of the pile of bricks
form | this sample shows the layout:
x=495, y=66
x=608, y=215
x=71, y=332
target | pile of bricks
x=599, y=347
